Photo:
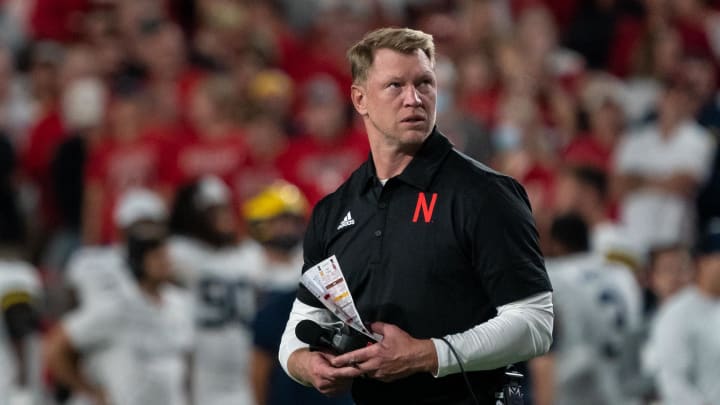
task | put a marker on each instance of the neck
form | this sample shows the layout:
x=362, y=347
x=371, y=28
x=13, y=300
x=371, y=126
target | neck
x=389, y=165
x=390, y=158
x=705, y=286
x=151, y=289
x=709, y=293
x=605, y=136
x=277, y=256
x=667, y=127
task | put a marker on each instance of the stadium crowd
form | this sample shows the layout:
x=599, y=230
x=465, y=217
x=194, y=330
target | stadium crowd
x=206, y=130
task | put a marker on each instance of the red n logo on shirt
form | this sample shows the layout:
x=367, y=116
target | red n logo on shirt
x=423, y=205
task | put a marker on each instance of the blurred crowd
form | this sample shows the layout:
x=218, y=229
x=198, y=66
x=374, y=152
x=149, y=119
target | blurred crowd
x=607, y=111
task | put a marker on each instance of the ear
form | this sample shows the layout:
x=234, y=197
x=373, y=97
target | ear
x=357, y=94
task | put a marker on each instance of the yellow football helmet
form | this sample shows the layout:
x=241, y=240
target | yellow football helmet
x=278, y=198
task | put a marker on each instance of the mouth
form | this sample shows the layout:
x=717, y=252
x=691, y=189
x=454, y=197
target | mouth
x=413, y=119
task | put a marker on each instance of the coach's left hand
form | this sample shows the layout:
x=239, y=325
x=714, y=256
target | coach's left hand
x=398, y=355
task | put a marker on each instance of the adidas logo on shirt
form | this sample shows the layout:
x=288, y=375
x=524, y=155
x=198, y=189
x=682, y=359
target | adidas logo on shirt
x=347, y=221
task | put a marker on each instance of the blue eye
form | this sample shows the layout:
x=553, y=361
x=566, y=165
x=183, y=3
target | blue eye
x=425, y=86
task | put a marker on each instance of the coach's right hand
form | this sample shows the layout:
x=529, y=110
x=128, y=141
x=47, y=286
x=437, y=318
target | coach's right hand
x=315, y=368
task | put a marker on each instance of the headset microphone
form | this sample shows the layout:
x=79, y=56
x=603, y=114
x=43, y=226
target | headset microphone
x=338, y=338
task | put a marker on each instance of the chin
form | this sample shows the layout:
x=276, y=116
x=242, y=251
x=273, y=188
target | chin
x=414, y=136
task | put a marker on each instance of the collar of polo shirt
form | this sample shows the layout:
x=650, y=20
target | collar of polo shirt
x=422, y=168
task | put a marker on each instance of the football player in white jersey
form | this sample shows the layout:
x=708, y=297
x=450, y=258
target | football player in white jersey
x=97, y=273
x=20, y=292
x=683, y=351
x=133, y=349
x=598, y=309
x=223, y=276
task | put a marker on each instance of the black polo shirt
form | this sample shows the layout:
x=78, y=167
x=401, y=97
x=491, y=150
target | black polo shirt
x=434, y=251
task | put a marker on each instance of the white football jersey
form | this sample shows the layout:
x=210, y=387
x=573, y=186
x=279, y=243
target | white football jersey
x=683, y=351
x=134, y=348
x=282, y=276
x=17, y=277
x=598, y=309
x=224, y=284
x=99, y=273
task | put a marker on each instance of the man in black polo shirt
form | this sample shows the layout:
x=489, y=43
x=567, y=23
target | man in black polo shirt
x=439, y=252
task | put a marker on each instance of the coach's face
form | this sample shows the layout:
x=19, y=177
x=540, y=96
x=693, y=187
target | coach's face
x=397, y=100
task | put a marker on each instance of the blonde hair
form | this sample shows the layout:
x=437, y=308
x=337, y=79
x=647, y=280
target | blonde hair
x=404, y=40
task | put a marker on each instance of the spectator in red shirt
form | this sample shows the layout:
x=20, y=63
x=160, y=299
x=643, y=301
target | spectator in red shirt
x=481, y=24
x=217, y=145
x=336, y=26
x=602, y=101
x=126, y=158
x=157, y=56
x=45, y=60
x=266, y=140
x=695, y=21
x=478, y=88
x=329, y=150
x=162, y=53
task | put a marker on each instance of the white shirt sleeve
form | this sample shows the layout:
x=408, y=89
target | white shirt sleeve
x=77, y=263
x=184, y=256
x=290, y=343
x=521, y=330
x=700, y=157
x=92, y=325
x=625, y=158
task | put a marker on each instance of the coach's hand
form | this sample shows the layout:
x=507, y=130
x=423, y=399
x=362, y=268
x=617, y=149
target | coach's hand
x=316, y=368
x=398, y=355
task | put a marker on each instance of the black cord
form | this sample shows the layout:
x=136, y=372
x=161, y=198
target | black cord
x=462, y=370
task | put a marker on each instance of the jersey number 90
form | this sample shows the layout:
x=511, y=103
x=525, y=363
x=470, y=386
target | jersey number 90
x=223, y=302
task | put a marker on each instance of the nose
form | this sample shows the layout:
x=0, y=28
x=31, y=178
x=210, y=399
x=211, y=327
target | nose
x=411, y=97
